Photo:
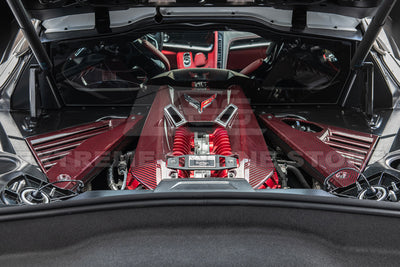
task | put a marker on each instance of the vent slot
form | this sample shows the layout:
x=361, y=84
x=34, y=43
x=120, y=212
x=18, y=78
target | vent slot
x=355, y=148
x=50, y=148
x=225, y=117
x=174, y=116
x=219, y=50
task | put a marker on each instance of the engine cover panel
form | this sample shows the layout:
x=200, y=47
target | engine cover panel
x=188, y=123
x=325, y=151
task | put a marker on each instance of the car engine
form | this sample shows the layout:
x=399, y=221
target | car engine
x=199, y=132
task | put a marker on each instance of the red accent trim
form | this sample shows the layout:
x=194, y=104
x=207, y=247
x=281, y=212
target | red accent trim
x=200, y=60
x=171, y=56
x=207, y=102
x=167, y=53
x=211, y=57
x=272, y=182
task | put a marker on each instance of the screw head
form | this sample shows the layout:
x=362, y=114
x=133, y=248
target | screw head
x=63, y=177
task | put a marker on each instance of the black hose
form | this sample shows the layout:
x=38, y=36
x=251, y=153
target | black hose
x=122, y=169
x=298, y=175
x=110, y=177
x=281, y=175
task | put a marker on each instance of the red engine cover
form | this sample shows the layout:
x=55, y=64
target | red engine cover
x=245, y=136
x=76, y=152
x=327, y=150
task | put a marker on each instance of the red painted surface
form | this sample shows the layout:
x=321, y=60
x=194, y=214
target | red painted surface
x=179, y=59
x=182, y=142
x=210, y=61
x=183, y=145
x=200, y=60
x=328, y=150
x=245, y=136
x=49, y=148
x=273, y=182
x=94, y=142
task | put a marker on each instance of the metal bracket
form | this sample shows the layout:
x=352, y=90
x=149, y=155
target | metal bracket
x=201, y=162
x=373, y=119
x=33, y=100
x=364, y=47
x=173, y=115
x=225, y=118
x=34, y=111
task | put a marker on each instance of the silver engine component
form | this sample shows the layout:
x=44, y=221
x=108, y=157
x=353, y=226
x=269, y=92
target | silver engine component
x=201, y=147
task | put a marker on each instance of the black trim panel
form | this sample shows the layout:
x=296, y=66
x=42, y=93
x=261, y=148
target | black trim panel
x=202, y=229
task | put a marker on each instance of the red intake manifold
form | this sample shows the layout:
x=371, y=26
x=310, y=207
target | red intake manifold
x=219, y=145
x=182, y=142
x=221, y=142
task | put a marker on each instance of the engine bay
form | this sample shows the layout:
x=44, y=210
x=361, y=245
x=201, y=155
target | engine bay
x=215, y=110
x=194, y=133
